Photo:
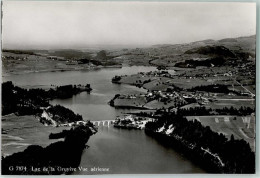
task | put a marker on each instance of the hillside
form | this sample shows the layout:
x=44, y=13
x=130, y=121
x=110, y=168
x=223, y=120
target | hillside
x=168, y=55
x=221, y=52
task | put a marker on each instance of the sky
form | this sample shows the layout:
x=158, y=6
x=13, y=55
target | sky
x=64, y=25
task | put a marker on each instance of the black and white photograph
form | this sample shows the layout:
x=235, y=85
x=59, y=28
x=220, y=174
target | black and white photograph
x=128, y=87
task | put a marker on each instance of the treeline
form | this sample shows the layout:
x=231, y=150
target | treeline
x=87, y=61
x=217, y=51
x=203, y=111
x=116, y=79
x=63, y=115
x=68, y=91
x=217, y=88
x=28, y=101
x=211, y=150
x=19, y=51
x=242, y=111
x=71, y=54
x=62, y=154
x=197, y=111
x=105, y=59
x=22, y=101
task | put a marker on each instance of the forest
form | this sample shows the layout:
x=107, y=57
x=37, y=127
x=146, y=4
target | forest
x=28, y=101
x=216, y=153
x=50, y=160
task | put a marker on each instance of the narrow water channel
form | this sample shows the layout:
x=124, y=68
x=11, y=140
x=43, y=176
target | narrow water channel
x=119, y=150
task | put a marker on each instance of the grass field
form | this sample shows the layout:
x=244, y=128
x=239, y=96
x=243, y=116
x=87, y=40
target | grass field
x=155, y=104
x=188, y=83
x=231, y=102
x=138, y=101
x=20, y=131
x=35, y=63
x=240, y=127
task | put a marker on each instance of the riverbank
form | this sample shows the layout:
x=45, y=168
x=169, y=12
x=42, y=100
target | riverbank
x=203, y=94
x=217, y=154
x=28, y=105
x=97, y=108
x=21, y=72
x=199, y=157
x=22, y=62
x=26, y=102
x=36, y=160
x=18, y=132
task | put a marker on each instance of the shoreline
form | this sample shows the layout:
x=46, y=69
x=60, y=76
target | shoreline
x=41, y=158
x=58, y=70
x=153, y=94
x=179, y=146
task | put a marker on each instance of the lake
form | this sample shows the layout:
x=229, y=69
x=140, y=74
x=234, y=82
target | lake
x=122, y=151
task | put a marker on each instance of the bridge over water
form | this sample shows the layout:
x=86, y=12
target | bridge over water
x=103, y=123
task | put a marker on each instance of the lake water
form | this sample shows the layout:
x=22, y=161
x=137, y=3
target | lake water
x=122, y=151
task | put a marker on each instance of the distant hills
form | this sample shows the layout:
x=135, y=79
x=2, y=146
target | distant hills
x=168, y=55
x=247, y=43
x=212, y=51
x=240, y=48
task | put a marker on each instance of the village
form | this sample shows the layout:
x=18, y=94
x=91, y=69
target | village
x=214, y=91
x=131, y=122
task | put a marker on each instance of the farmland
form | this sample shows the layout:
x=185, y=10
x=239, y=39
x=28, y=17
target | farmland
x=192, y=98
x=20, y=131
x=239, y=127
